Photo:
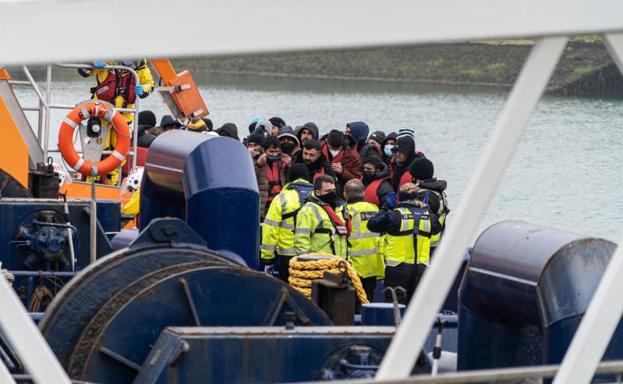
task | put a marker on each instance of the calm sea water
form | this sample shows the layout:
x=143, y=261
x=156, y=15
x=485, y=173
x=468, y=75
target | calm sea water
x=567, y=172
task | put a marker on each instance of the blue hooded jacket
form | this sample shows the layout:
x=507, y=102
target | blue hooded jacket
x=359, y=130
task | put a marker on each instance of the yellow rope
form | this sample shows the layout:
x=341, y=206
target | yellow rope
x=303, y=272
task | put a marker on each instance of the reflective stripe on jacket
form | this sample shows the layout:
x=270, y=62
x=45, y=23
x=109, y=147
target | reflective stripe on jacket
x=278, y=226
x=364, y=251
x=401, y=248
x=315, y=232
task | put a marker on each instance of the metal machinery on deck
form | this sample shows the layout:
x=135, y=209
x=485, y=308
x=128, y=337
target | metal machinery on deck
x=118, y=320
x=524, y=294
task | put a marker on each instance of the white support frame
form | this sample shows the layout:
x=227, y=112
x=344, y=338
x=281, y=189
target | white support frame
x=432, y=290
x=318, y=24
x=28, y=342
x=604, y=312
x=5, y=375
x=369, y=23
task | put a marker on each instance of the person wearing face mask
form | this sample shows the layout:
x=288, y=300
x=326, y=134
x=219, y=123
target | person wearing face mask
x=404, y=154
x=322, y=224
x=388, y=144
x=376, y=181
x=273, y=167
x=364, y=247
x=407, y=229
x=358, y=132
x=345, y=161
x=289, y=144
x=254, y=146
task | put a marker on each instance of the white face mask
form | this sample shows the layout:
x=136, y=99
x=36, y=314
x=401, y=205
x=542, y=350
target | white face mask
x=334, y=152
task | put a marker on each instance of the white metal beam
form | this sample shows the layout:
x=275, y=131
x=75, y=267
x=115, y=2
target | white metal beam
x=432, y=290
x=24, y=336
x=5, y=375
x=604, y=312
x=69, y=30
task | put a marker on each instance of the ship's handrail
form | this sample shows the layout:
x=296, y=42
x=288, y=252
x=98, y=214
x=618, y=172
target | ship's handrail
x=497, y=375
x=45, y=106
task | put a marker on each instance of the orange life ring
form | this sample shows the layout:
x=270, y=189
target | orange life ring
x=83, y=111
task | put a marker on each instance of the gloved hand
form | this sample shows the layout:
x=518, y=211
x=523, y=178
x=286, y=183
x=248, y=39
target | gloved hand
x=139, y=90
x=99, y=64
x=391, y=200
x=269, y=270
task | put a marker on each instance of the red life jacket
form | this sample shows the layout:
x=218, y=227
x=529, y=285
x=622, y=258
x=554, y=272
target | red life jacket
x=274, y=180
x=343, y=227
x=371, y=194
x=117, y=83
x=405, y=178
x=321, y=172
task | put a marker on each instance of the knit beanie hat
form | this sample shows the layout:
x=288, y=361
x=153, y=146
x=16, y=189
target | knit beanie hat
x=256, y=137
x=377, y=136
x=422, y=169
x=406, y=132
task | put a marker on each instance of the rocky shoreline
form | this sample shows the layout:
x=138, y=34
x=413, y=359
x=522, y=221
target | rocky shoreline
x=585, y=68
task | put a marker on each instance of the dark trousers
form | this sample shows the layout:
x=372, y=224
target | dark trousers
x=369, y=285
x=283, y=267
x=406, y=276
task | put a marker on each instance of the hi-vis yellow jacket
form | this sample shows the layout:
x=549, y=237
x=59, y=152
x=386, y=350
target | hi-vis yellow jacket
x=316, y=233
x=279, y=223
x=364, y=246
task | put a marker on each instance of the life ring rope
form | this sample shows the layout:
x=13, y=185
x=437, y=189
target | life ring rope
x=83, y=111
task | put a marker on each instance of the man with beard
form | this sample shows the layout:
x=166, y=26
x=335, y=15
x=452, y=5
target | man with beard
x=317, y=164
x=376, y=181
x=322, y=225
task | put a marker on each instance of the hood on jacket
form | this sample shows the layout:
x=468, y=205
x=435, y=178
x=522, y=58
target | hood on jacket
x=147, y=118
x=309, y=125
x=391, y=135
x=359, y=130
x=229, y=130
x=406, y=145
x=433, y=184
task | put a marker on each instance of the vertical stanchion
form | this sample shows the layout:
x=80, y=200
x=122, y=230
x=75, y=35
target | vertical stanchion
x=48, y=110
x=435, y=284
x=93, y=222
x=604, y=312
x=26, y=339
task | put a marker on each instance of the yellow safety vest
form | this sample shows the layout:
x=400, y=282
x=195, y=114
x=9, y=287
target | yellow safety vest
x=279, y=223
x=401, y=248
x=441, y=215
x=316, y=233
x=364, y=246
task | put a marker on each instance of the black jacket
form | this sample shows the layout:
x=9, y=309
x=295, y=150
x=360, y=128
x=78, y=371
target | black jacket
x=429, y=198
x=316, y=166
x=388, y=221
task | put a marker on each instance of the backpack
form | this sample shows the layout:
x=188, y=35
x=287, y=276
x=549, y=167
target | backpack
x=303, y=191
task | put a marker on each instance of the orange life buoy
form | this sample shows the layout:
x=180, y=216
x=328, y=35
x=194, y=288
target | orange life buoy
x=83, y=111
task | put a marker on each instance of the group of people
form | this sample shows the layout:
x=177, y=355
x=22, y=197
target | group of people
x=371, y=199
